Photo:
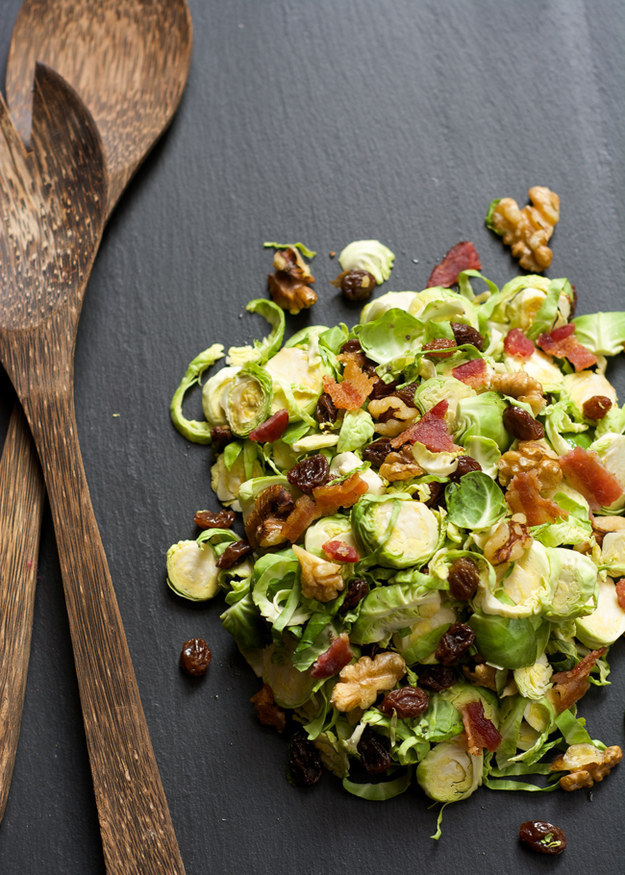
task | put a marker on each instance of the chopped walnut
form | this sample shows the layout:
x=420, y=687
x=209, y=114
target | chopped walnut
x=482, y=675
x=360, y=682
x=602, y=525
x=321, y=580
x=266, y=709
x=264, y=525
x=586, y=765
x=392, y=415
x=527, y=231
x=521, y=386
x=507, y=543
x=534, y=456
x=290, y=285
x=400, y=465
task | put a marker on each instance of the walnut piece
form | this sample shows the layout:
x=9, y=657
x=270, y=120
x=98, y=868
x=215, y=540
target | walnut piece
x=392, y=415
x=527, y=231
x=602, y=525
x=534, y=456
x=360, y=682
x=482, y=675
x=264, y=525
x=321, y=580
x=586, y=765
x=521, y=386
x=507, y=543
x=400, y=465
x=290, y=285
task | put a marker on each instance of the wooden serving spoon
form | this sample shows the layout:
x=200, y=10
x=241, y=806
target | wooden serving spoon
x=129, y=62
x=53, y=205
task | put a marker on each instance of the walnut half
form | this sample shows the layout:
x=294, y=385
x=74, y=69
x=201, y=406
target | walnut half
x=360, y=682
x=290, y=285
x=321, y=580
x=527, y=231
x=585, y=764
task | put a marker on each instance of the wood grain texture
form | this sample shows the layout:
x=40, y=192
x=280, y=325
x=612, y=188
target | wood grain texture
x=53, y=201
x=127, y=60
x=158, y=79
x=21, y=504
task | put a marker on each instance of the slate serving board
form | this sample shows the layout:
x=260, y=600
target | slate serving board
x=323, y=122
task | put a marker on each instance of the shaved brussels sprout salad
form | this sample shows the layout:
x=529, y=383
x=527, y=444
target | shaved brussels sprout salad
x=430, y=576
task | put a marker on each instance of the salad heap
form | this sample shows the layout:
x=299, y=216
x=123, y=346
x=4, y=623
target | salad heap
x=430, y=577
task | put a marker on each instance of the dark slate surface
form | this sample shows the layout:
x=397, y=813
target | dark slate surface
x=323, y=122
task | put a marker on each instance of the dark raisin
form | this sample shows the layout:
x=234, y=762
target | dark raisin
x=440, y=348
x=304, y=763
x=454, y=643
x=464, y=577
x=220, y=436
x=466, y=464
x=309, y=473
x=357, y=589
x=377, y=451
x=351, y=346
x=437, y=677
x=234, y=553
x=467, y=334
x=382, y=390
x=407, y=393
x=356, y=285
x=543, y=837
x=195, y=657
x=522, y=425
x=374, y=752
x=326, y=411
x=208, y=519
x=406, y=702
x=596, y=407
x=437, y=495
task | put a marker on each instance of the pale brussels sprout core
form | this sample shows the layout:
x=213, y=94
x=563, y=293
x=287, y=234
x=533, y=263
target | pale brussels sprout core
x=192, y=570
x=401, y=532
x=448, y=773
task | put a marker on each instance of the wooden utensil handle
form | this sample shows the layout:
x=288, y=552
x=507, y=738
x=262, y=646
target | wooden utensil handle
x=137, y=832
x=21, y=505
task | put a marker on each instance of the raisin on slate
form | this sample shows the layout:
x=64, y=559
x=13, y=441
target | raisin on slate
x=543, y=837
x=195, y=657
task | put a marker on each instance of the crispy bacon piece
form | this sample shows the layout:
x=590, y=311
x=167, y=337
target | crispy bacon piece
x=337, y=656
x=339, y=551
x=271, y=429
x=472, y=373
x=523, y=496
x=324, y=501
x=570, y=686
x=352, y=391
x=481, y=732
x=585, y=472
x=266, y=709
x=303, y=514
x=333, y=496
x=462, y=256
x=430, y=430
x=562, y=343
x=620, y=593
x=517, y=344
